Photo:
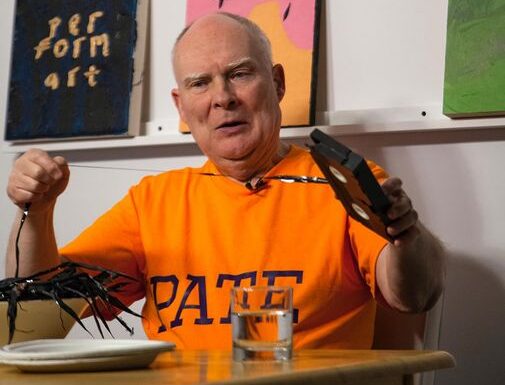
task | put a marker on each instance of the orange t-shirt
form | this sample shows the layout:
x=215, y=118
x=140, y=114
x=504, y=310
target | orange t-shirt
x=189, y=238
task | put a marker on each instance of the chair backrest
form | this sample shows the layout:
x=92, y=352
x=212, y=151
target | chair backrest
x=394, y=330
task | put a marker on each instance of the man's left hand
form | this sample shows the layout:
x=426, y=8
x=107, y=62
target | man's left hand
x=403, y=227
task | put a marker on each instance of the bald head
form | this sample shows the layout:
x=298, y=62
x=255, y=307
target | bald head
x=252, y=29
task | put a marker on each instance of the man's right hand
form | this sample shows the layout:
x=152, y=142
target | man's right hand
x=37, y=178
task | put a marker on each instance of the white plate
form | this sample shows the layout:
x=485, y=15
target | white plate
x=82, y=355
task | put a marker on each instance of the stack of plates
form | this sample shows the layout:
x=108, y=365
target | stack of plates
x=82, y=355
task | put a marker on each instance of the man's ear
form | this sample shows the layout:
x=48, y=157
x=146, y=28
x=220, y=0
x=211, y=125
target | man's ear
x=177, y=101
x=279, y=80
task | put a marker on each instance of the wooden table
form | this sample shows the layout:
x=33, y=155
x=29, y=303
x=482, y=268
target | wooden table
x=216, y=367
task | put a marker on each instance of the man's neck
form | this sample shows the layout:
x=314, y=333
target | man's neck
x=245, y=173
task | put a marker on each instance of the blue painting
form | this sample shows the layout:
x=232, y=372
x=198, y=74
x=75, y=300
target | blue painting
x=72, y=70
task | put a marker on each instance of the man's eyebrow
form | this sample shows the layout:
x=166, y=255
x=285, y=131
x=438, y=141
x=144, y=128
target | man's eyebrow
x=245, y=61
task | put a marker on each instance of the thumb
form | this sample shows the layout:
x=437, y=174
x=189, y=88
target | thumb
x=392, y=185
x=63, y=165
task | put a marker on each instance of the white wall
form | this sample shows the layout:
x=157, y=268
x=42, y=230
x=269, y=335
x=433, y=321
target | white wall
x=380, y=54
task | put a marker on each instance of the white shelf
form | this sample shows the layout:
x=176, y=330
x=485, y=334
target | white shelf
x=341, y=123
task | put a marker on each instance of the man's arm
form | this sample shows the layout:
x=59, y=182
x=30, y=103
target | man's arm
x=410, y=272
x=38, y=179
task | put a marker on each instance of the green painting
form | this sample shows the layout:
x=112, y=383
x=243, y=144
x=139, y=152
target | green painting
x=475, y=59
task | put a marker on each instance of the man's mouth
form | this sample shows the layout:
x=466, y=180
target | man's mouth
x=231, y=124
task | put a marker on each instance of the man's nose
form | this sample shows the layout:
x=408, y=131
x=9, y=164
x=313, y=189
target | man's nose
x=224, y=95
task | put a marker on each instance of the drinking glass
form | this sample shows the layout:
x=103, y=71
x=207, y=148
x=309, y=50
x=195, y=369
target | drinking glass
x=262, y=323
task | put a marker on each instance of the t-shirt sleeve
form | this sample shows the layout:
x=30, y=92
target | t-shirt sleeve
x=113, y=242
x=366, y=244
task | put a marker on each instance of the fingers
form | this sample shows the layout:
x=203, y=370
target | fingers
x=403, y=226
x=42, y=167
x=37, y=177
x=31, y=185
x=401, y=205
x=402, y=223
x=392, y=186
x=63, y=165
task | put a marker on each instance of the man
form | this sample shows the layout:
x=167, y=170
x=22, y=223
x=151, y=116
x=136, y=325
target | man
x=190, y=235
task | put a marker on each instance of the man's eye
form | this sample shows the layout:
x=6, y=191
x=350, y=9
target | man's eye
x=240, y=75
x=197, y=84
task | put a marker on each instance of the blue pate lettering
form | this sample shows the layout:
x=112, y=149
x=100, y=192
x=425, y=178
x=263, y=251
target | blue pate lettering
x=237, y=279
x=160, y=306
x=200, y=282
x=202, y=305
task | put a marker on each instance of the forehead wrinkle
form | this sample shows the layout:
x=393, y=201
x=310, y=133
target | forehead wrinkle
x=240, y=62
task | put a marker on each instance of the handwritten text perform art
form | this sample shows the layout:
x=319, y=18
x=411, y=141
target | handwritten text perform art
x=61, y=48
x=72, y=68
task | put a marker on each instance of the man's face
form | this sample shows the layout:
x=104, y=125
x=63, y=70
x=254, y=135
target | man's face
x=227, y=93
